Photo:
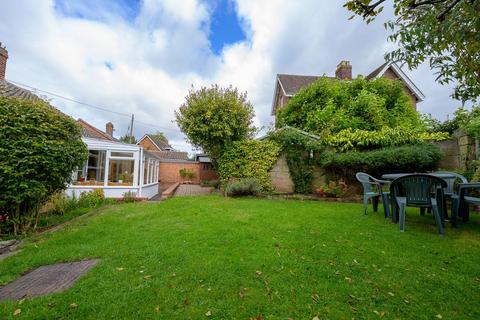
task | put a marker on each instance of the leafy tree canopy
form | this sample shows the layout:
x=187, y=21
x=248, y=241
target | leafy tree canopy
x=128, y=139
x=213, y=118
x=446, y=33
x=39, y=149
x=159, y=136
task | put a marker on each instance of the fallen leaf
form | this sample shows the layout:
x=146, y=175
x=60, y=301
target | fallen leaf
x=315, y=297
x=316, y=318
x=208, y=313
x=391, y=294
x=147, y=277
x=439, y=316
x=259, y=317
x=258, y=273
x=241, y=294
x=157, y=308
x=142, y=271
x=348, y=279
x=406, y=301
x=73, y=305
x=119, y=269
x=186, y=302
x=17, y=312
x=355, y=260
x=21, y=301
x=174, y=274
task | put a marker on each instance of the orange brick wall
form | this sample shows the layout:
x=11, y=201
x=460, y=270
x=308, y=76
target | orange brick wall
x=147, y=144
x=169, y=172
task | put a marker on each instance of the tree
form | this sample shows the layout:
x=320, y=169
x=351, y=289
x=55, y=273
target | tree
x=159, y=136
x=213, y=118
x=446, y=33
x=39, y=149
x=128, y=139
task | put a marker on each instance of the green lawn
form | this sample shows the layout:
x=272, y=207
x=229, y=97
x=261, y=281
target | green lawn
x=212, y=257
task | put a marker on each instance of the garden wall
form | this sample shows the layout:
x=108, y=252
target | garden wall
x=280, y=176
x=458, y=151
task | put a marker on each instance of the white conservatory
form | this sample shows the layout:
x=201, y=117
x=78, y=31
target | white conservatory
x=117, y=168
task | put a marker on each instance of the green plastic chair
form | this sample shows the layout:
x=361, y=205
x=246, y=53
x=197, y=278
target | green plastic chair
x=451, y=191
x=462, y=200
x=421, y=191
x=373, y=189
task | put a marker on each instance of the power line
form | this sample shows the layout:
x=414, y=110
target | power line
x=88, y=105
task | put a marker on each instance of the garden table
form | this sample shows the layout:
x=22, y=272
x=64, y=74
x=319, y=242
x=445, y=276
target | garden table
x=393, y=176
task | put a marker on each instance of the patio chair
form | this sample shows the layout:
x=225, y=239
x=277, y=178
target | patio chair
x=450, y=191
x=421, y=191
x=462, y=200
x=369, y=184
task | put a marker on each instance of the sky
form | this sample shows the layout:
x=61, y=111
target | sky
x=142, y=57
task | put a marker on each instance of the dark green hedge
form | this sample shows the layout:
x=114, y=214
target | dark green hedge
x=416, y=158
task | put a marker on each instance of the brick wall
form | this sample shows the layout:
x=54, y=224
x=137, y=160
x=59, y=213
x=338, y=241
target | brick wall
x=147, y=144
x=169, y=171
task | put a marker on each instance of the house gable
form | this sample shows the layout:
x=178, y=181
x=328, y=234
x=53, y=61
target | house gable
x=89, y=131
x=149, y=143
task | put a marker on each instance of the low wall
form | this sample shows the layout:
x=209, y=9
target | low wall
x=458, y=151
x=169, y=172
x=280, y=176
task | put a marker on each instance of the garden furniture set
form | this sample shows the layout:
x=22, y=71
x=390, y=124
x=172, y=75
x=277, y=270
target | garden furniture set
x=423, y=190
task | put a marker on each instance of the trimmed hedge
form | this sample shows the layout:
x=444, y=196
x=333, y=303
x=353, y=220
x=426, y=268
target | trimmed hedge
x=416, y=158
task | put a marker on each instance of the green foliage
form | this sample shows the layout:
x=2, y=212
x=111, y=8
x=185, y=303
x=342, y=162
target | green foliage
x=462, y=119
x=129, y=197
x=159, y=136
x=39, y=149
x=357, y=114
x=128, y=139
x=356, y=139
x=249, y=159
x=243, y=187
x=62, y=204
x=300, y=151
x=443, y=32
x=213, y=118
x=333, y=189
x=416, y=158
x=186, y=173
x=92, y=199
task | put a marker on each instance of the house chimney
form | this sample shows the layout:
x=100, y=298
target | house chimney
x=109, y=129
x=344, y=70
x=3, y=61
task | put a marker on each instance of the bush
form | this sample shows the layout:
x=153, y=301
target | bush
x=243, y=187
x=39, y=149
x=92, y=199
x=129, y=197
x=417, y=158
x=187, y=173
x=62, y=204
x=211, y=183
x=249, y=159
x=333, y=189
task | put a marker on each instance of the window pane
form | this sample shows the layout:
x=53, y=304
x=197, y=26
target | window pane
x=93, y=172
x=145, y=171
x=120, y=172
x=121, y=154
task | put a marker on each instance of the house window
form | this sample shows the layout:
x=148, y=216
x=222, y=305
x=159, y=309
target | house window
x=93, y=172
x=121, y=154
x=145, y=171
x=120, y=172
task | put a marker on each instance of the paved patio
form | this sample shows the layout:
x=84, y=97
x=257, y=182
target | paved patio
x=191, y=190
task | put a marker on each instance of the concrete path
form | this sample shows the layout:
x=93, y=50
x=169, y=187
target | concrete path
x=191, y=190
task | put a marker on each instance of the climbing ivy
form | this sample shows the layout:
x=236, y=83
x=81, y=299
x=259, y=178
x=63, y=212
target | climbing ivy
x=249, y=159
x=301, y=151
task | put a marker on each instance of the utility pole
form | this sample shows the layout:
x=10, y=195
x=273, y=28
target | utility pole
x=131, y=129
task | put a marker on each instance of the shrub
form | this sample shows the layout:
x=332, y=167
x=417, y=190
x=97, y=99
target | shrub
x=249, y=159
x=333, y=189
x=62, y=204
x=187, y=173
x=39, y=149
x=129, y=197
x=243, y=187
x=92, y=199
x=416, y=158
x=211, y=183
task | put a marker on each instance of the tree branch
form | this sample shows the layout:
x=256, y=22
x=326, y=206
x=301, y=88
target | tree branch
x=442, y=15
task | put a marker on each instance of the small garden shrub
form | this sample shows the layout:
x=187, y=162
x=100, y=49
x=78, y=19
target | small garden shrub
x=243, y=187
x=92, y=199
x=187, y=173
x=62, y=204
x=333, y=189
x=211, y=183
x=129, y=197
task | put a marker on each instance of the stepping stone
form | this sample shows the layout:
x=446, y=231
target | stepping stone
x=46, y=279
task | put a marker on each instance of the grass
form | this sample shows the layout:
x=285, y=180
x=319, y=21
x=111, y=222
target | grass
x=218, y=258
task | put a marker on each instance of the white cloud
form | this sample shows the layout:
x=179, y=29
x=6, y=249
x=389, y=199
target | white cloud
x=158, y=55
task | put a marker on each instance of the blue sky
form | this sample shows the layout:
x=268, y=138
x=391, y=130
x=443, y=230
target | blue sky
x=225, y=28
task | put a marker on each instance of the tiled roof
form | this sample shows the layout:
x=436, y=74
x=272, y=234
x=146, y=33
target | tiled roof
x=375, y=72
x=160, y=143
x=292, y=83
x=89, y=131
x=8, y=89
x=169, y=155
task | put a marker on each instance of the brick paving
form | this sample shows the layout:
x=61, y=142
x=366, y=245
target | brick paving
x=191, y=190
x=46, y=280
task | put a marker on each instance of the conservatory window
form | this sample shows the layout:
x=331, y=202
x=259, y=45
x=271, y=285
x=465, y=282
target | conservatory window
x=120, y=172
x=93, y=171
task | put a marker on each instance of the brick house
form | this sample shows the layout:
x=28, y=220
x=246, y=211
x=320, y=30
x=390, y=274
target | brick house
x=287, y=85
x=171, y=161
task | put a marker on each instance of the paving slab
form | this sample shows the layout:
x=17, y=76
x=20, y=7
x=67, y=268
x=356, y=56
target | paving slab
x=46, y=279
x=191, y=190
